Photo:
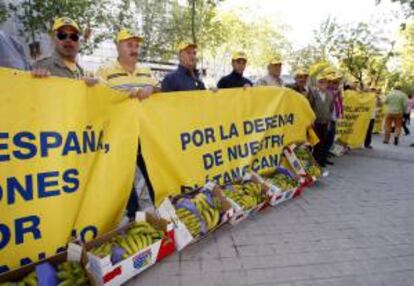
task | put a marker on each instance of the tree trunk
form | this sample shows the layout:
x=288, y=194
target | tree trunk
x=193, y=14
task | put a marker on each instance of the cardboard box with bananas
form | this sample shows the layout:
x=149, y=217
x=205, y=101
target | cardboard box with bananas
x=196, y=214
x=64, y=269
x=303, y=163
x=339, y=149
x=284, y=184
x=125, y=252
x=248, y=195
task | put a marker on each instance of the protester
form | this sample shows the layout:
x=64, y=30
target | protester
x=396, y=103
x=185, y=77
x=300, y=85
x=321, y=104
x=274, y=69
x=12, y=53
x=406, y=115
x=62, y=63
x=378, y=104
x=235, y=78
x=335, y=92
x=127, y=75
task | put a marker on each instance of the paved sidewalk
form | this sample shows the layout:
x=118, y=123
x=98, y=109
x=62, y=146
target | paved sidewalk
x=354, y=228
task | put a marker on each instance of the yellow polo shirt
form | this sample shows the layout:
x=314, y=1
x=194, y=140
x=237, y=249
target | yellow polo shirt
x=114, y=75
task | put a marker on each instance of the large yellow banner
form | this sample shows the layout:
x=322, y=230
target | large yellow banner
x=67, y=161
x=358, y=111
x=188, y=138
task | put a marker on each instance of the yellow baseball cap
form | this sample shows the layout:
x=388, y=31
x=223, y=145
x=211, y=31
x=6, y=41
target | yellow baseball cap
x=333, y=77
x=318, y=67
x=184, y=45
x=276, y=60
x=301, y=72
x=239, y=55
x=64, y=21
x=125, y=34
x=321, y=76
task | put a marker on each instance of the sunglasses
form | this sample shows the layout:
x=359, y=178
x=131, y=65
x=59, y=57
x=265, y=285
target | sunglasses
x=63, y=36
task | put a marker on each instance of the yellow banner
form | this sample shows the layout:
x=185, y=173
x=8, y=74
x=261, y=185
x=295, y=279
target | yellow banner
x=358, y=111
x=188, y=138
x=67, y=161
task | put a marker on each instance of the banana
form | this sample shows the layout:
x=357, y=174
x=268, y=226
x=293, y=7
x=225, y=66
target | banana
x=131, y=242
x=122, y=243
x=208, y=218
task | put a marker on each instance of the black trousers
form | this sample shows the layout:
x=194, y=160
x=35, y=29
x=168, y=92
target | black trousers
x=368, y=136
x=406, y=121
x=133, y=206
x=330, y=137
x=319, y=151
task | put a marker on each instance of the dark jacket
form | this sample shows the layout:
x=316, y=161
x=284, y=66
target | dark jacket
x=322, y=108
x=233, y=80
x=182, y=79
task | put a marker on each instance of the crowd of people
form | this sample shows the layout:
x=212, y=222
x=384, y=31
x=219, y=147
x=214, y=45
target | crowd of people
x=125, y=74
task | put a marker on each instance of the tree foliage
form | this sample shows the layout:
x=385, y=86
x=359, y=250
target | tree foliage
x=3, y=12
x=36, y=16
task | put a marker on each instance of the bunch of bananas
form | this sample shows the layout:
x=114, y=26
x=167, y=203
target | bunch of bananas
x=71, y=274
x=314, y=171
x=68, y=274
x=308, y=162
x=103, y=250
x=190, y=219
x=29, y=280
x=139, y=236
x=247, y=195
x=209, y=213
x=283, y=181
x=204, y=212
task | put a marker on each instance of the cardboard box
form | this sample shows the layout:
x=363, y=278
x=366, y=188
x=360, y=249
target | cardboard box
x=278, y=195
x=297, y=166
x=182, y=236
x=73, y=253
x=338, y=149
x=104, y=272
x=241, y=214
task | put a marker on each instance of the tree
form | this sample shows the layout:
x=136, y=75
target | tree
x=259, y=39
x=324, y=38
x=305, y=57
x=408, y=5
x=3, y=12
x=36, y=17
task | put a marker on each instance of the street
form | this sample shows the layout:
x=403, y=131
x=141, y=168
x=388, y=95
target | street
x=355, y=227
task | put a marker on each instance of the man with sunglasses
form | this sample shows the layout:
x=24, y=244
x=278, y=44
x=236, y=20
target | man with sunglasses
x=65, y=38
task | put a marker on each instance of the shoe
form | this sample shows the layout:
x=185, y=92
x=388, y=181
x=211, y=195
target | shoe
x=329, y=162
x=369, y=147
x=412, y=145
x=384, y=142
x=396, y=141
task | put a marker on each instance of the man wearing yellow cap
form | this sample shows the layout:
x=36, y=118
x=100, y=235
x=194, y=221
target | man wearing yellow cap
x=236, y=78
x=124, y=73
x=335, y=93
x=321, y=104
x=186, y=77
x=274, y=69
x=65, y=38
x=301, y=79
